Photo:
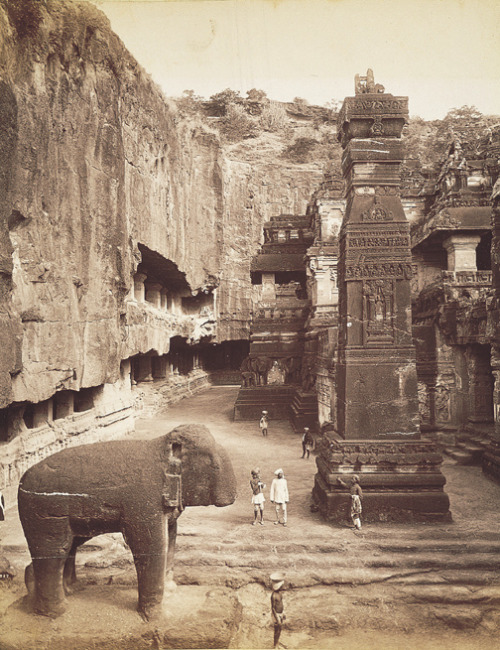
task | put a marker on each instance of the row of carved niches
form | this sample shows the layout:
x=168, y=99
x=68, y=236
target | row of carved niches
x=23, y=416
x=287, y=234
x=378, y=454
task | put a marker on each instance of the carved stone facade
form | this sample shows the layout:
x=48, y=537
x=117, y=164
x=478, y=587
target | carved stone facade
x=453, y=315
x=276, y=370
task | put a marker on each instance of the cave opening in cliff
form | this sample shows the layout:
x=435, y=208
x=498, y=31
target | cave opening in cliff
x=181, y=355
x=227, y=355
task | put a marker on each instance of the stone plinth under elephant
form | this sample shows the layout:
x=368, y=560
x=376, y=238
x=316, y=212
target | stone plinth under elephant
x=135, y=487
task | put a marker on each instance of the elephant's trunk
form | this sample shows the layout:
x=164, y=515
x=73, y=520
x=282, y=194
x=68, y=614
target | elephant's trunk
x=225, y=490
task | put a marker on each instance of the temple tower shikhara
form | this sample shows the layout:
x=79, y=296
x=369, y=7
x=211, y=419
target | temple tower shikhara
x=377, y=432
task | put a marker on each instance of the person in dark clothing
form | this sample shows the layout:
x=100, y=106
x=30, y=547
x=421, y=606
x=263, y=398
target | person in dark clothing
x=307, y=442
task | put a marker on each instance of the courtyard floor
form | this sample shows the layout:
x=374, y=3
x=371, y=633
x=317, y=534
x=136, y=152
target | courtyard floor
x=388, y=586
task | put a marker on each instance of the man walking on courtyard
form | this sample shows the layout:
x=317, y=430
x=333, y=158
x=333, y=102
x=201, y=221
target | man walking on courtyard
x=307, y=442
x=279, y=495
x=263, y=424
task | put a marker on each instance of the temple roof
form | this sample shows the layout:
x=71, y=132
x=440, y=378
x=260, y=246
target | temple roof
x=278, y=262
x=452, y=220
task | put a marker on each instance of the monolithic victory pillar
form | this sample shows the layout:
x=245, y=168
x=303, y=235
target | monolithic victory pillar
x=377, y=432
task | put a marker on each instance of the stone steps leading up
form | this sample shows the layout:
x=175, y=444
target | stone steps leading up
x=252, y=401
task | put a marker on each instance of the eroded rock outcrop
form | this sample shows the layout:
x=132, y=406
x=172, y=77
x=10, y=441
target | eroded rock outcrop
x=96, y=161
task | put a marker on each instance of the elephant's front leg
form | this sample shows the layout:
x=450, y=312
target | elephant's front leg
x=147, y=542
x=172, y=537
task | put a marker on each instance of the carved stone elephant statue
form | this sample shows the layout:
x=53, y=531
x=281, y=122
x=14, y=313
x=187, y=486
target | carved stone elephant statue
x=261, y=366
x=136, y=487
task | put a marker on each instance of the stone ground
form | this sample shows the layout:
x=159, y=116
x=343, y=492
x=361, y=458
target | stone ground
x=389, y=586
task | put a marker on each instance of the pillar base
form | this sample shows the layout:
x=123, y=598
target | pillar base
x=491, y=460
x=401, y=481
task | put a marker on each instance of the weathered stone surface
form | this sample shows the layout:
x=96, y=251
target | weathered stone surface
x=97, y=162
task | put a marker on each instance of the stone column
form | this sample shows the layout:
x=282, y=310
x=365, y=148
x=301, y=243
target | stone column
x=480, y=385
x=164, y=299
x=42, y=413
x=491, y=458
x=461, y=250
x=153, y=294
x=139, y=289
x=268, y=288
x=159, y=367
x=143, y=368
x=64, y=404
x=378, y=431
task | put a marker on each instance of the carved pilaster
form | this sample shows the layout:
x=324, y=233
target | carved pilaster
x=377, y=429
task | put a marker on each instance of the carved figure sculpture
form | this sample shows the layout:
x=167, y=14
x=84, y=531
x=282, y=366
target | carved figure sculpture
x=135, y=487
x=247, y=373
x=248, y=379
x=367, y=84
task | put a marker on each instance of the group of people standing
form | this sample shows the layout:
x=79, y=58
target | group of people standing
x=278, y=495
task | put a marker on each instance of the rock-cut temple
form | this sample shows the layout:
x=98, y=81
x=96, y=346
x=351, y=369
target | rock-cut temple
x=140, y=263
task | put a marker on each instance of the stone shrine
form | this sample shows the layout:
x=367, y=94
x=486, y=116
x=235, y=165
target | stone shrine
x=377, y=431
x=273, y=370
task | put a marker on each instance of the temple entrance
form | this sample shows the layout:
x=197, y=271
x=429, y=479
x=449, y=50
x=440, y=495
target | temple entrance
x=223, y=361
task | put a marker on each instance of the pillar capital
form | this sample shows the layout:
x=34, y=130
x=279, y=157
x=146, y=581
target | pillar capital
x=461, y=250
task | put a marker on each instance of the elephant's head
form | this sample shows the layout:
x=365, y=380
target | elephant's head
x=207, y=474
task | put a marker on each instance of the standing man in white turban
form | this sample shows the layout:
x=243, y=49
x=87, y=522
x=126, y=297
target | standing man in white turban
x=279, y=495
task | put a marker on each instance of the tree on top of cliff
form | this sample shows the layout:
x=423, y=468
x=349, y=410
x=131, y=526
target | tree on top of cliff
x=237, y=124
x=220, y=102
x=25, y=15
x=467, y=125
x=189, y=103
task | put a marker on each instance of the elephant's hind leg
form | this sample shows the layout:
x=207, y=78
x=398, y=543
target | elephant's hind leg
x=49, y=550
x=50, y=600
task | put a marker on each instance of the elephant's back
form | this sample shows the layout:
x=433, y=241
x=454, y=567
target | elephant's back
x=86, y=466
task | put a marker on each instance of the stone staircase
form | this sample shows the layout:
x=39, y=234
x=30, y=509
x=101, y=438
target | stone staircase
x=304, y=410
x=275, y=399
x=468, y=449
x=425, y=575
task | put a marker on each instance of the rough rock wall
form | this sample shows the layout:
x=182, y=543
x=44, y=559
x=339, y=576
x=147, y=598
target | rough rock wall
x=95, y=160
x=253, y=194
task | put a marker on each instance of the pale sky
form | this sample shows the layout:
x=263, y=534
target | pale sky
x=443, y=54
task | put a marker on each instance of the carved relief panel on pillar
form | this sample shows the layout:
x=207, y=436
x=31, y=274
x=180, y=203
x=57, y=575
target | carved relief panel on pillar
x=378, y=312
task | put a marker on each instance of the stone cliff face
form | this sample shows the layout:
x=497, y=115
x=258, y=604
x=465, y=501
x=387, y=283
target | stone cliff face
x=94, y=162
